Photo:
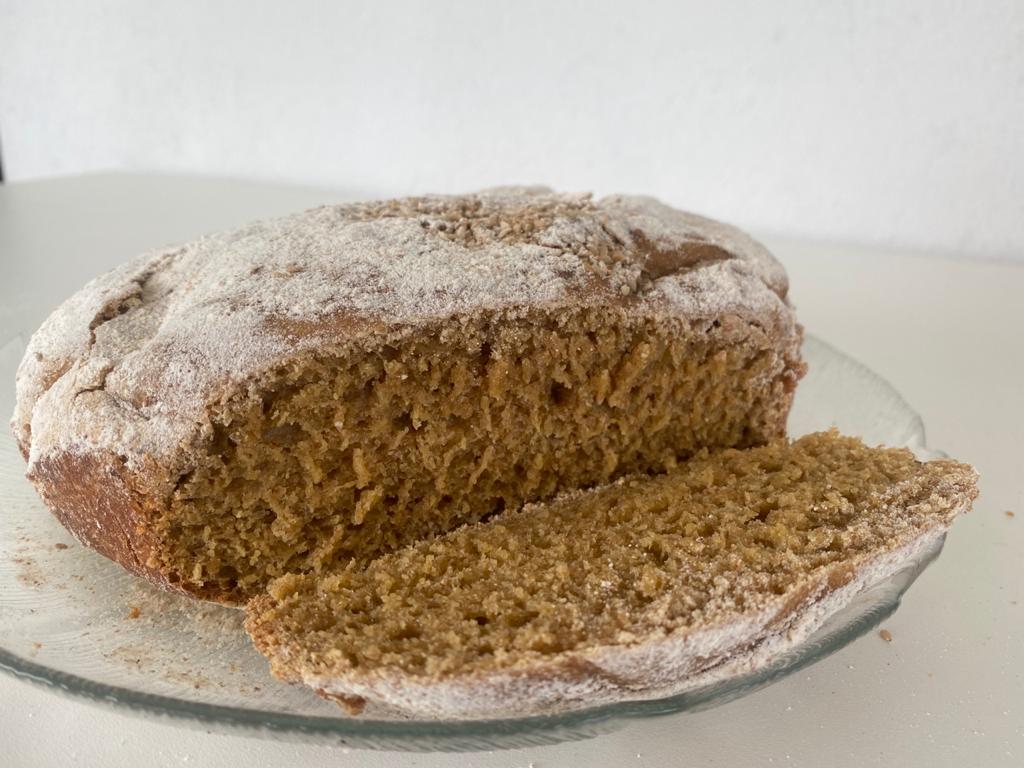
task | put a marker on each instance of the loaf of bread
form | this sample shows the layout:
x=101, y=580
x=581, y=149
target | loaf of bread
x=311, y=392
x=639, y=589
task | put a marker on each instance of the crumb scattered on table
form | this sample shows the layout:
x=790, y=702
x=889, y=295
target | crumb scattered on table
x=134, y=612
x=885, y=634
x=60, y=545
x=29, y=573
x=1008, y=513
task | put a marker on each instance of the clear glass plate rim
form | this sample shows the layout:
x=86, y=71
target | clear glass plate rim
x=407, y=732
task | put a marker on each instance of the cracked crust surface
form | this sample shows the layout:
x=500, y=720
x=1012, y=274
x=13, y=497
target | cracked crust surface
x=116, y=388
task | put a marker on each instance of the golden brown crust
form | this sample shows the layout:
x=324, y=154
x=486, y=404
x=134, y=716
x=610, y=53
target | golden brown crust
x=92, y=496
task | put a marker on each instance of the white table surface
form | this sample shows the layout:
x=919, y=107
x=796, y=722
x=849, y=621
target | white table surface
x=948, y=689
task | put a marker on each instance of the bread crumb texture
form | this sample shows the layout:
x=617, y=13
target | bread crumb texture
x=340, y=459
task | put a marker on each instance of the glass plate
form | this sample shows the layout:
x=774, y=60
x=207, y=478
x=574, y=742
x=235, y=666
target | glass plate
x=76, y=623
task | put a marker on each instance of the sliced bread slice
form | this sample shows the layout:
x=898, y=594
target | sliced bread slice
x=638, y=589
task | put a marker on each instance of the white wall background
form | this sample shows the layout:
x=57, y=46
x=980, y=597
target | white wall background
x=894, y=122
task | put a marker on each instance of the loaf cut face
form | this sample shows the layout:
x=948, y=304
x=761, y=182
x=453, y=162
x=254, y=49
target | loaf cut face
x=320, y=389
x=638, y=589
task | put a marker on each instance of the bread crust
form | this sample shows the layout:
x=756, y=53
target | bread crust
x=116, y=389
x=92, y=495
